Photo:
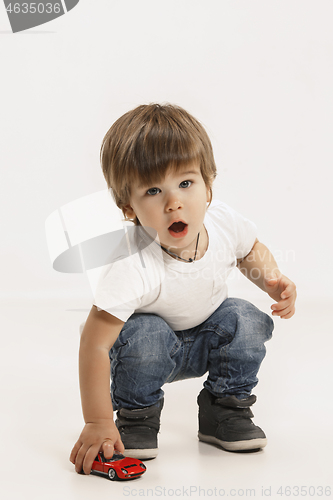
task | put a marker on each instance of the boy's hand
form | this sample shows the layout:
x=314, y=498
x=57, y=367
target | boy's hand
x=96, y=436
x=283, y=291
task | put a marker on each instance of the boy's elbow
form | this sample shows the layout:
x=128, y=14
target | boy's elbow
x=239, y=261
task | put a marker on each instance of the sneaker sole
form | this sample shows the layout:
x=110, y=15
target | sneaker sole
x=250, y=444
x=141, y=454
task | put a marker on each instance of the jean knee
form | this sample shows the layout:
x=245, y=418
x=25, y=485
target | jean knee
x=241, y=312
x=259, y=322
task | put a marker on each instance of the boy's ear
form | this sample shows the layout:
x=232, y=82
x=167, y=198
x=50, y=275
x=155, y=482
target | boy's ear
x=129, y=212
x=208, y=194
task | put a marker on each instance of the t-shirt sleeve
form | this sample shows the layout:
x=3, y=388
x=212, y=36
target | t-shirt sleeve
x=120, y=289
x=241, y=231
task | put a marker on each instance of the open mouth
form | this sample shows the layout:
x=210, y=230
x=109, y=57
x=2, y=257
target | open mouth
x=178, y=229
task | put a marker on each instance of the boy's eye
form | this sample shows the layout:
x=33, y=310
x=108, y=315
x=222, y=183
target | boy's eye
x=185, y=184
x=153, y=191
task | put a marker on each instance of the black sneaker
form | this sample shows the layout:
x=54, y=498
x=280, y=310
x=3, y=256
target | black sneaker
x=138, y=430
x=227, y=422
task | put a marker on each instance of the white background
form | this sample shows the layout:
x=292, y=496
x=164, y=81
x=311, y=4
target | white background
x=258, y=74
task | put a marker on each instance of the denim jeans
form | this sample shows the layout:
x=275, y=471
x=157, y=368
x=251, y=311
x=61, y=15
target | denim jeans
x=229, y=345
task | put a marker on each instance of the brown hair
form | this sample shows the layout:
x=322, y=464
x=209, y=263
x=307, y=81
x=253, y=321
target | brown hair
x=143, y=143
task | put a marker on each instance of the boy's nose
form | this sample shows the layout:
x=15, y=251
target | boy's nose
x=173, y=203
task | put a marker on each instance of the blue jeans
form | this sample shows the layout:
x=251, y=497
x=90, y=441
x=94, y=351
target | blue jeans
x=229, y=345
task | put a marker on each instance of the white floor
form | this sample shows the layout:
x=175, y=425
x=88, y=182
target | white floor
x=41, y=416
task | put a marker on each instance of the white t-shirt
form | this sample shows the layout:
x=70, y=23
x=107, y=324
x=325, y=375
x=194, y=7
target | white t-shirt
x=183, y=294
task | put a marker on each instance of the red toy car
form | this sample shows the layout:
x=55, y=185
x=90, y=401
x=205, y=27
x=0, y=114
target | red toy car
x=118, y=467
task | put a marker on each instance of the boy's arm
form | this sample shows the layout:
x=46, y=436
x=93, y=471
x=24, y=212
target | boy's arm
x=99, y=433
x=260, y=267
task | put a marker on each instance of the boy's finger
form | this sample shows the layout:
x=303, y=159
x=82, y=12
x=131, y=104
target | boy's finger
x=289, y=315
x=118, y=445
x=282, y=312
x=271, y=282
x=286, y=294
x=74, y=451
x=289, y=291
x=271, y=279
x=282, y=304
x=89, y=457
x=108, y=448
x=79, y=459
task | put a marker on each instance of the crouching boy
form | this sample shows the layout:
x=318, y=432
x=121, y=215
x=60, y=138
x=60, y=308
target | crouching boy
x=159, y=163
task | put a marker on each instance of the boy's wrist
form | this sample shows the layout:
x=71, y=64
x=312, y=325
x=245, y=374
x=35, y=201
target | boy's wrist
x=98, y=420
x=259, y=266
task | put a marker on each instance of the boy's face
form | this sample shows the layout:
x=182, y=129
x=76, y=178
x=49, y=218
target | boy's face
x=181, y=197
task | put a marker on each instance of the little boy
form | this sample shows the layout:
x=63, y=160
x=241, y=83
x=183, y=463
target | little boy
x=159, y=163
